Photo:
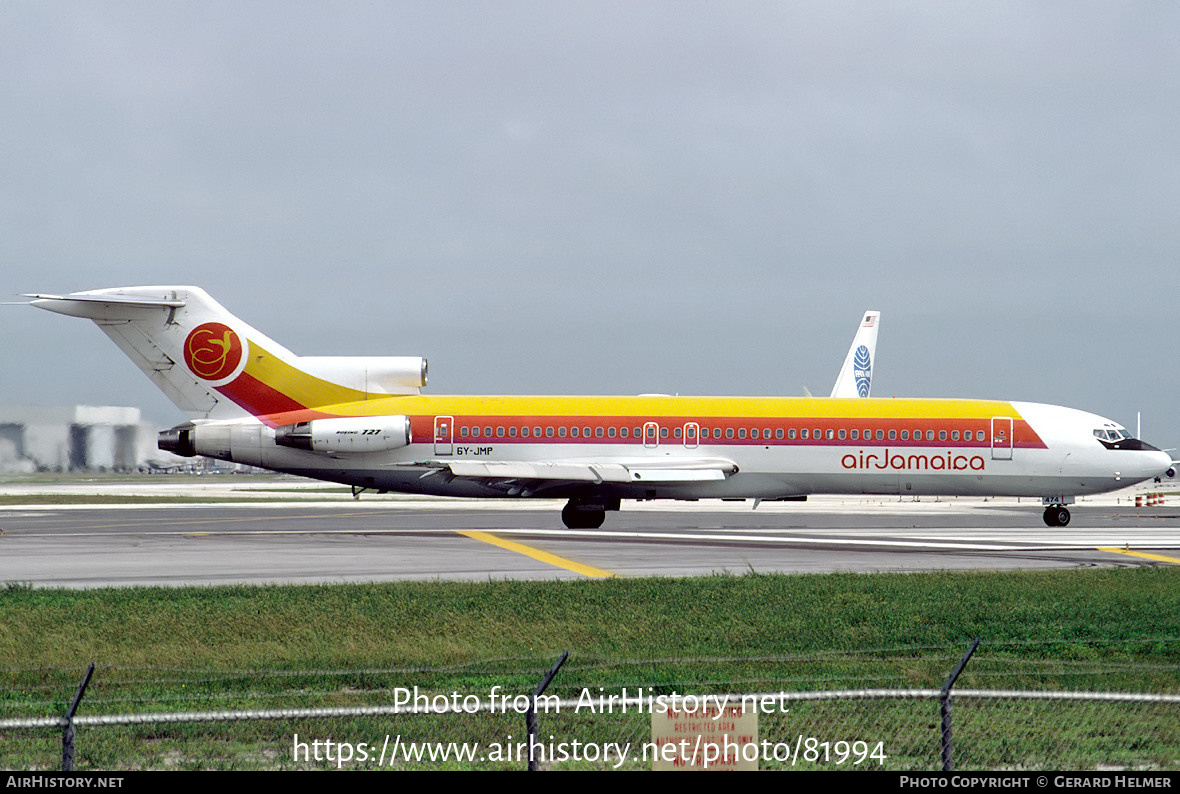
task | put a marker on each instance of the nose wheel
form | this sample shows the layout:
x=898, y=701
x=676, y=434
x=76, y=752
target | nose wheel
x=1056, y=516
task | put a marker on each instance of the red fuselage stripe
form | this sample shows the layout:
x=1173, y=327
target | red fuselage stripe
x=499, y=429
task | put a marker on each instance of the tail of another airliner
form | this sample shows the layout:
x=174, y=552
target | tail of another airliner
x=214, y=366
x=856, y=376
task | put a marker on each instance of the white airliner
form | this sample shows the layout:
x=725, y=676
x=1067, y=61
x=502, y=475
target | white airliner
x=362, y=421
x=856, y=376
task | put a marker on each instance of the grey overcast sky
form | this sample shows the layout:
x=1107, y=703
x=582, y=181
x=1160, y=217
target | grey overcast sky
x=610, y=197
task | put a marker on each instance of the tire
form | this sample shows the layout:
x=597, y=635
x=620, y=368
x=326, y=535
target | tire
x=1056, y=516
x=575, y=518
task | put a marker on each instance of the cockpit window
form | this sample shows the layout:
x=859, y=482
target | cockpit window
x=1111, y=433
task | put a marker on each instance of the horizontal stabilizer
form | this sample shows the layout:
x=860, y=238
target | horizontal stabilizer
x=100, y=307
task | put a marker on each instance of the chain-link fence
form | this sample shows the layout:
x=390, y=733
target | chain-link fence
x=598, y=714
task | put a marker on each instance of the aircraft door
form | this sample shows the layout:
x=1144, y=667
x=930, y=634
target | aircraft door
x=692, y=435
x=651, y=435
x=1001, y=438
x=444, y=435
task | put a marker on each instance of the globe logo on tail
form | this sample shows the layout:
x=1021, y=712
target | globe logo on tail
x=213, y=351
x=862, y=370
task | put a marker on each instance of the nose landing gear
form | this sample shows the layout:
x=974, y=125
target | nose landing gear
x=1056, y=516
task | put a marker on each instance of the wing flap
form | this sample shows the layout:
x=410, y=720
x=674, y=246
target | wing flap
x=665, y=471
x=542, y=470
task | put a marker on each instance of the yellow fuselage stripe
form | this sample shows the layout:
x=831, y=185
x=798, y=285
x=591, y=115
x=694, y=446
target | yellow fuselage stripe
x=750, y=407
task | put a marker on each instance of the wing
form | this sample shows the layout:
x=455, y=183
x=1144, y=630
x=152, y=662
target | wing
x=511, y=474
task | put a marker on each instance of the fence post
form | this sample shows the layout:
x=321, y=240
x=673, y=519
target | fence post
x=67, y=733
x=944, y=700
x=530, y=717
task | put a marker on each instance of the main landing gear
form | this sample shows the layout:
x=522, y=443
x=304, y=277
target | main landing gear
x=587, y=513
x=578, y=515
x=1056, y=516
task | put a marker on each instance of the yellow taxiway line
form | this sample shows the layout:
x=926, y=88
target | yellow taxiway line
x=537, y=554
x=1160, y=557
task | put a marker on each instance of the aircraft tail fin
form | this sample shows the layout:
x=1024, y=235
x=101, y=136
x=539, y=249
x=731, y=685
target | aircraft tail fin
x=214, y=366
x=856, y=376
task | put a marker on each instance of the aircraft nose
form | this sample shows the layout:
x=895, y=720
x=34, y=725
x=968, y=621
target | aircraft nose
x=1142, y=461
x=1155, y=462
x=1164, y=461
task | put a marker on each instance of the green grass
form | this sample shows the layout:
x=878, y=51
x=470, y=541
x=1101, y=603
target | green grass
x=161, y=649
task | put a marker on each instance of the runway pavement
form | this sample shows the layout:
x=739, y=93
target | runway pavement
x=335, y=539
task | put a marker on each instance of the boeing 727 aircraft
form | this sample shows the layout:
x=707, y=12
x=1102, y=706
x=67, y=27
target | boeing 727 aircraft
x=363, y=421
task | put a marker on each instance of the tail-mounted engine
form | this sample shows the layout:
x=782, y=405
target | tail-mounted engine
x=356, y=434
x=180, y=440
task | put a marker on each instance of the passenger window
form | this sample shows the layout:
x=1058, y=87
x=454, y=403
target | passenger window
x=729, y=432
x=585, y=432
x=610, y=432
x=548, y=432
x=778, y=433
x=663, y=432
x=805, y=433
x=598, y=432
x=942, y=435
x=676, y=433
x=499, y=432
x=573, y=432
x=741, y=432
x=843, y=434
x=753, y=432
x=830, y=434
x=929, y=435
x=892, y=435
x=954, y=435
x=512, y=432
x=880, y=435
x=855, y=435
x=487, y=431
x=561, y=431
x=791, y=433
x=905, y=435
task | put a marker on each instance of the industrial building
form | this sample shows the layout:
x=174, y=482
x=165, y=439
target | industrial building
x=77, y=438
